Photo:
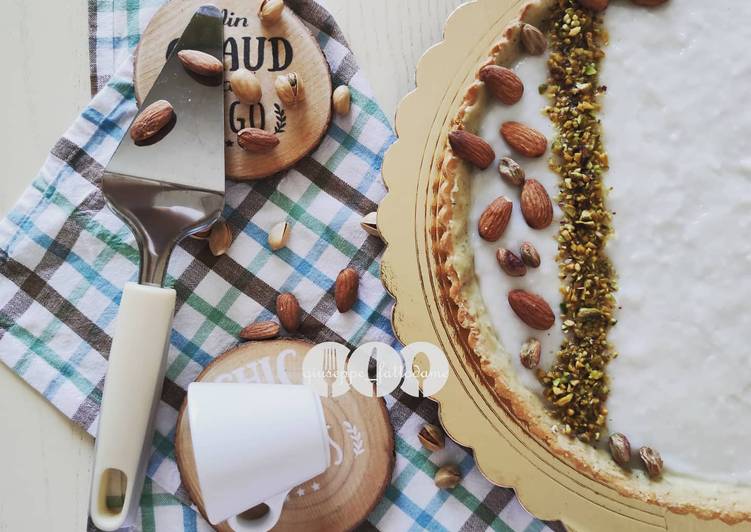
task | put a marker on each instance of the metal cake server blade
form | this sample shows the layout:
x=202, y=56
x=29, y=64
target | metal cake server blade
x=164, y=190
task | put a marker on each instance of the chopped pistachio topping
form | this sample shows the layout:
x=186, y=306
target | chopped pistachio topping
x=576, y=385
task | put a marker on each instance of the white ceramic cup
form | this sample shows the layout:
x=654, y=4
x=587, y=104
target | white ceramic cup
x=252, y=444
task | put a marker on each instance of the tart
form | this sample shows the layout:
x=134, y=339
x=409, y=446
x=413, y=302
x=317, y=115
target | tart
x=591, y=230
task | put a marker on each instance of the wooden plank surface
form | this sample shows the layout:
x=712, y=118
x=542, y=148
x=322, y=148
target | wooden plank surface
x=45, y=461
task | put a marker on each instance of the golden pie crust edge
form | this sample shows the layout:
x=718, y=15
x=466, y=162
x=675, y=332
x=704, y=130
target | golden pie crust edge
x=455, y=266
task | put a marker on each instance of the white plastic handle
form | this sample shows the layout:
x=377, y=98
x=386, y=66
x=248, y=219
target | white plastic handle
x=262, y=524
x=131, y=393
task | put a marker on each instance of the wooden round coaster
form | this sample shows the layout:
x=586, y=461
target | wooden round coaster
x=269, y=51
x=361, y=437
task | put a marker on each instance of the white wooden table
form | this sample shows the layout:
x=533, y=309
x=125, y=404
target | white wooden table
x=45, y=461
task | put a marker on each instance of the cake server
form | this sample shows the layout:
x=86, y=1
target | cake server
x=163, y=190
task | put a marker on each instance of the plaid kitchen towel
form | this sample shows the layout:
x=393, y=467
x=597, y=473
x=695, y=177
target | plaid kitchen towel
x=64, y=258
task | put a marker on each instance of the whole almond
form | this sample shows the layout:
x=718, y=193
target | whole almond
x=503, y=83
x=256, y=512
x=510, y=263
x=494, y=219
x=345, y=289
x=648, y=3
x=151, y=120
x=263, y=330
x=288, y=311
x=537, y=208
x=245, y=86
x=531, y=309
x=533, y=40
x=511, y=172
x=523, y=139
x=200, y=63
x=530, y=353
x=471, y=148
x=620, y=448
x=529, y=255
x=594, y=5
x=652, y=461
x=256, y=140
x=220, y=238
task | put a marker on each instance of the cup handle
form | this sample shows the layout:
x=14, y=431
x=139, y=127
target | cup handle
x=262, y=524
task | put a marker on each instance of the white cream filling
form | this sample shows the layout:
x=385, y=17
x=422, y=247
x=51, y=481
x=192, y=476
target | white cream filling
x=676, y=127
x=488, y=185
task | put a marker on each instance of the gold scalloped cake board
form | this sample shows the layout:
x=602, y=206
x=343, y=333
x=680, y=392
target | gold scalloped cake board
x=548, y=487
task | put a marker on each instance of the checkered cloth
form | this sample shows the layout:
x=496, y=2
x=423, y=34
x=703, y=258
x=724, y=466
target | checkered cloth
x=64, y=258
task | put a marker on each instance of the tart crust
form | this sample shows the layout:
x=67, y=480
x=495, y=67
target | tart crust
x=464, y=304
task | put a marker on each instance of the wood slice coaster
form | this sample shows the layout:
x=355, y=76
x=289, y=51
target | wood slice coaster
x=362, y=442
x=269, y=51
